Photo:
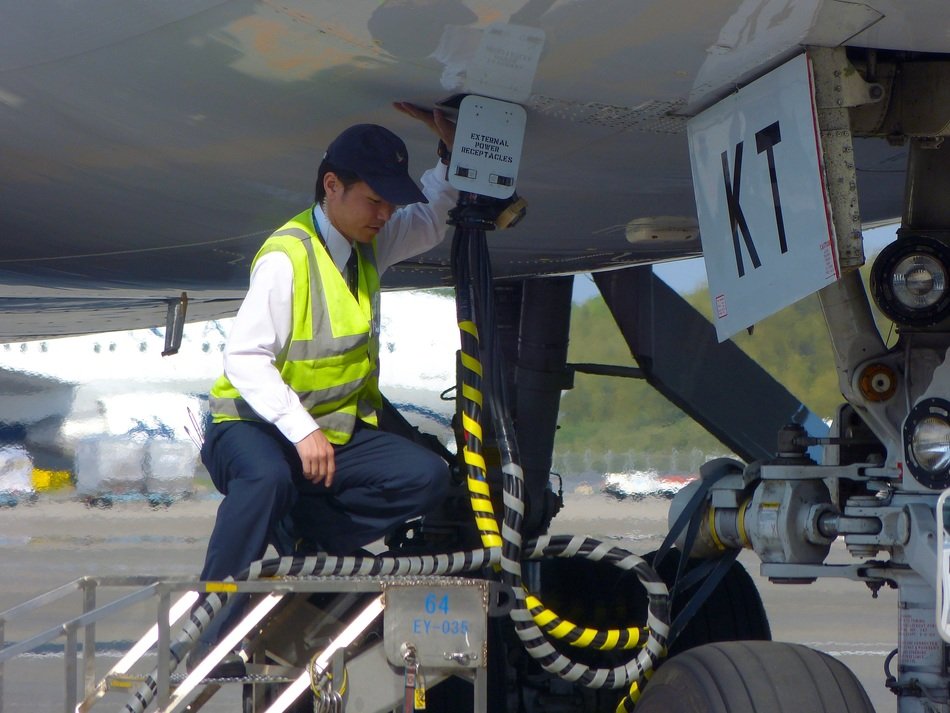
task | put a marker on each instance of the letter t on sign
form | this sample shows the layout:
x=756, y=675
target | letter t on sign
x=765, y=140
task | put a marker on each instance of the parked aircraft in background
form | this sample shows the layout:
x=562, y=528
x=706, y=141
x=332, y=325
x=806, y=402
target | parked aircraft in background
x=148, y=148
x=99, y=408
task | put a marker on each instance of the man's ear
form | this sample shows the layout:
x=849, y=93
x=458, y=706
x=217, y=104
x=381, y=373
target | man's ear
x=331, y=183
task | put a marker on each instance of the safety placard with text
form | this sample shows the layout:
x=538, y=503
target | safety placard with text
x=487, y=149
x=761, y=198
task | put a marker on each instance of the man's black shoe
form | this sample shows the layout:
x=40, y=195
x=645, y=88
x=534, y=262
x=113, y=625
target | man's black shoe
x=233, y=665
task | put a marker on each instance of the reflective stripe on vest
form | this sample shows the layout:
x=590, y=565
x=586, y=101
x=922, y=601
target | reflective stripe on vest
x=332, y=358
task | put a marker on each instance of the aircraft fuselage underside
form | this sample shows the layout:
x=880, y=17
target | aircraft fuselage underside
x=604, y=177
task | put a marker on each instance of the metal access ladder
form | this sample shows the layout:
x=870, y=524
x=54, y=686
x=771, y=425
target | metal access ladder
x=318, y=633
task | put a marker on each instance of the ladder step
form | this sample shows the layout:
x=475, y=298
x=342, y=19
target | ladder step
x=264, y=675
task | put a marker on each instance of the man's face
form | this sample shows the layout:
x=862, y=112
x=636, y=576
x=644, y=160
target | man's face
x=358, y=212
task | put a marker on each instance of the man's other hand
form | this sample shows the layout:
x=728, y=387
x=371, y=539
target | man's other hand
x=316, y=457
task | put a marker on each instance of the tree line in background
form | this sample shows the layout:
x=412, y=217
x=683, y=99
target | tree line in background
x=611, y=415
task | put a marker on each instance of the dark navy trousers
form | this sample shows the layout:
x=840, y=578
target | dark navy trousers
x=381, y=481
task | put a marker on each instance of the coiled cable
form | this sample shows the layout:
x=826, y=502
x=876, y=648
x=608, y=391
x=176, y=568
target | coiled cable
x=531, y=619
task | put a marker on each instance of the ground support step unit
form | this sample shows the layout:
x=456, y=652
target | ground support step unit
x=360, y=644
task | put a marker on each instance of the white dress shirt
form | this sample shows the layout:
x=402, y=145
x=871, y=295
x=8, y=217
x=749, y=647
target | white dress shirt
x=262, y=327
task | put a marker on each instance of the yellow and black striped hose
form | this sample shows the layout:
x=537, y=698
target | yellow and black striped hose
x=545, y=619
x=472, y=454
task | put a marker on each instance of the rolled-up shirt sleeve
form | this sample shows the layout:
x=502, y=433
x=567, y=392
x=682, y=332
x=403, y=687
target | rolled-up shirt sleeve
x=258, y=334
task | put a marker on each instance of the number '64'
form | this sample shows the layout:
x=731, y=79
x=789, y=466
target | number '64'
x=434, y=604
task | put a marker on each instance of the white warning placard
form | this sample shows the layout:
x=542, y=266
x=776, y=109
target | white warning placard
x=505, y=62
x=761, y=198
x=487, y=150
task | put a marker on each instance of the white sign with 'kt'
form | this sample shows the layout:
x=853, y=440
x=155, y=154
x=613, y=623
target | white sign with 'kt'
x=761, y=198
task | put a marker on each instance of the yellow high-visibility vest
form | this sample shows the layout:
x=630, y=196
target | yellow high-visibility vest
x=332, y=358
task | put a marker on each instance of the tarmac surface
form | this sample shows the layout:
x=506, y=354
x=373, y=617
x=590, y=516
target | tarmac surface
x=53, y=541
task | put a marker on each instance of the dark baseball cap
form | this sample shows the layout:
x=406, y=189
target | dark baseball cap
x=380, y=158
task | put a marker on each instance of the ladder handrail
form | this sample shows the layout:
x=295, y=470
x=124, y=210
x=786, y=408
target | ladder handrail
x=77, y=584
x=82, y=620
x=43, y=599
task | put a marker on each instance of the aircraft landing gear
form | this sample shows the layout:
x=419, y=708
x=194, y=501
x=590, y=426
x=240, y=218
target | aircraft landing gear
x=881, y=471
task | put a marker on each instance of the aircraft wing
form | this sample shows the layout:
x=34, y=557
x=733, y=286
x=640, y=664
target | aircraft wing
x=147, y=149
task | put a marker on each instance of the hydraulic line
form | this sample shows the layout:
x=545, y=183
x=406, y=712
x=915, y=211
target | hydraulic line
x=531, y=619
x=472, y=403
x=583, y=637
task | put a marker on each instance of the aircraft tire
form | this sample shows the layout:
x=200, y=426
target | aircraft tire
x=753, y=677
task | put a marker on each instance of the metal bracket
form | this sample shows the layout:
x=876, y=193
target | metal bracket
x=920, y=552
x=842, y=86
x=868, y=572
x=175, y=324
x=837, y=87
x=501, y=599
